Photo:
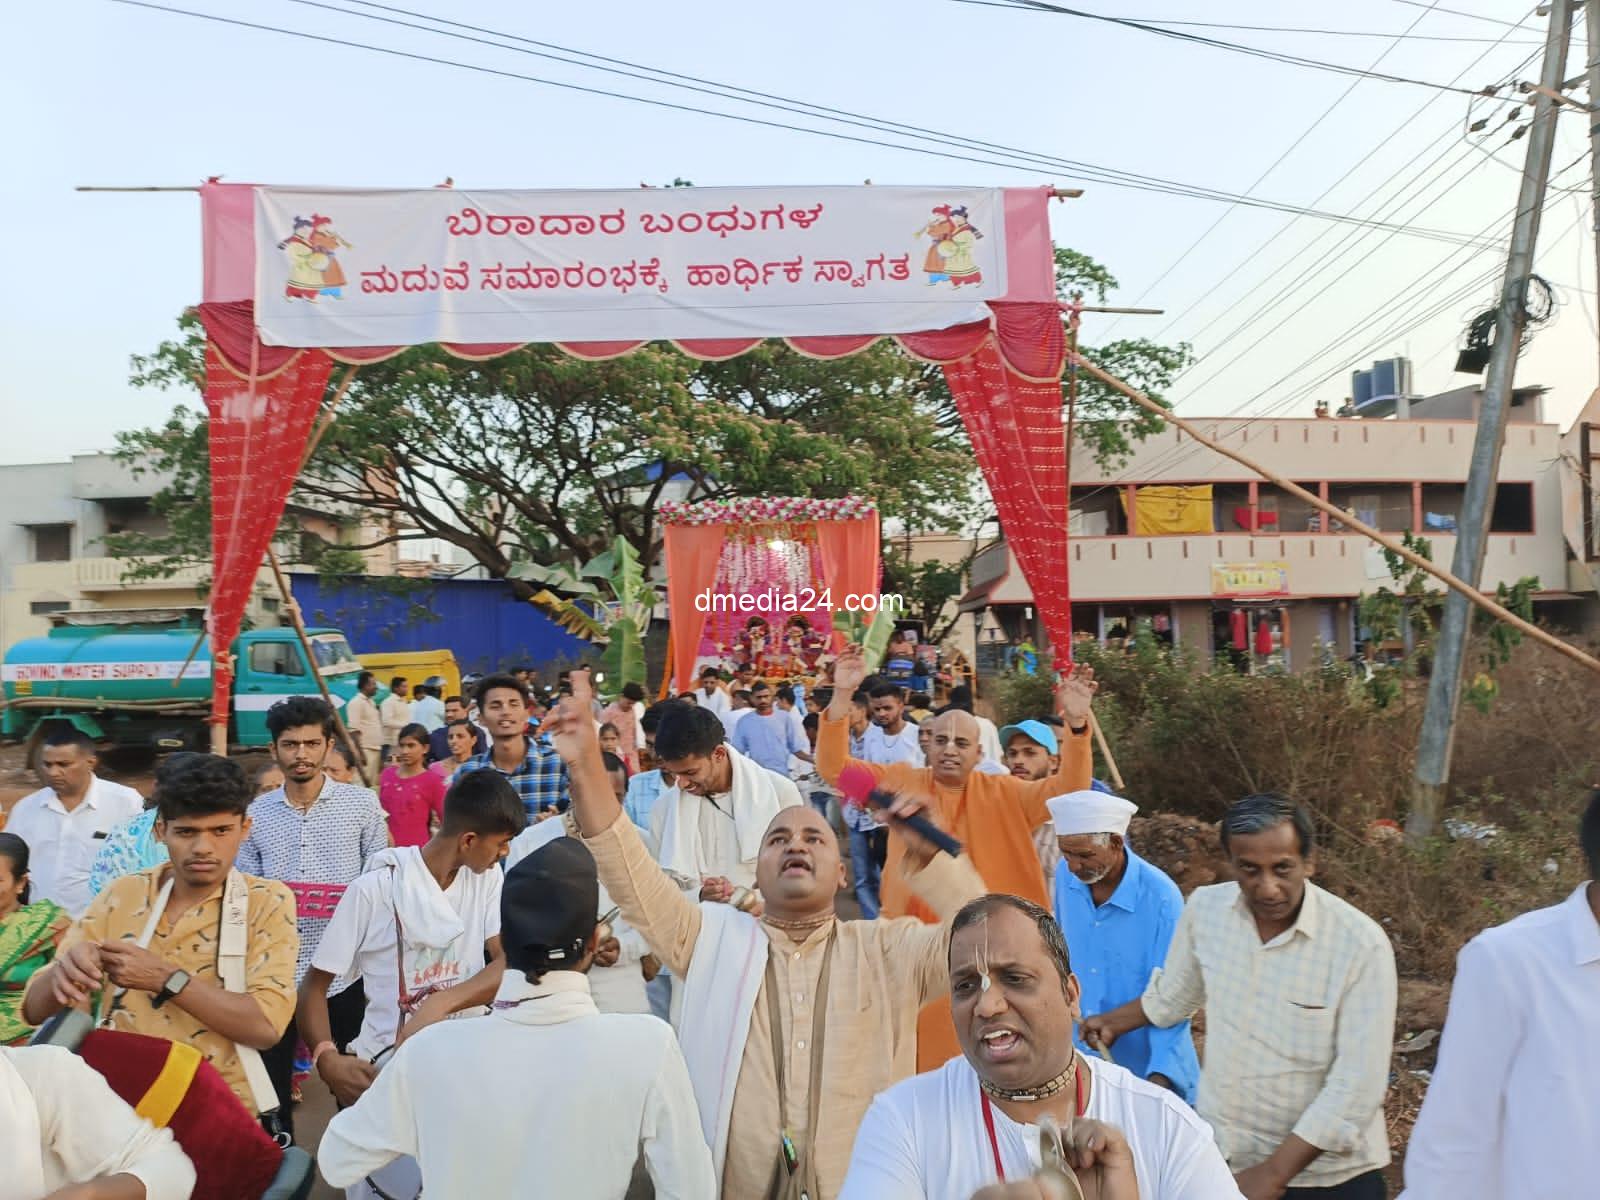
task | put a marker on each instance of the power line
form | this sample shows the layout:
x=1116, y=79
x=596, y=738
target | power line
x=1403, y=303
x=1456, y=12
x=1276, y=163
x=1355, y=33
x=1293, y=60
x=1001, y=158
x=1290, y=224
x=745, y=95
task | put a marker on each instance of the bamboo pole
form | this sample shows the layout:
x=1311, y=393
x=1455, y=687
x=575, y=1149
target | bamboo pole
x=1073, y=320
x=326, y=420
x=1487, y=603
x=357, y=759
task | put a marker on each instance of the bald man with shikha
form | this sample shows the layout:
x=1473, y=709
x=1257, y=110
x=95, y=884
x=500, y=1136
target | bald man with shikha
x=785, y=1005
x=993, y=816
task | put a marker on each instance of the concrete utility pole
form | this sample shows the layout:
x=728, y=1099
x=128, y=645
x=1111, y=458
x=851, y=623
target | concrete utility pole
x=1591, y=16
x=1477, y=507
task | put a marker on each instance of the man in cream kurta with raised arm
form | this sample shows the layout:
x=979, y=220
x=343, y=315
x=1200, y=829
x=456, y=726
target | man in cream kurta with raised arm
x=786, y=1010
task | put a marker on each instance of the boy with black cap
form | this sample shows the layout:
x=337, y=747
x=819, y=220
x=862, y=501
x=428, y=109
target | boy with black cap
x=625, y=1088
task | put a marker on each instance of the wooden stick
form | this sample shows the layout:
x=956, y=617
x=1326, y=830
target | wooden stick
x=89, y=188
x=357, y=759
x=1105, y=751
x=326, y=420
x=1487, y=603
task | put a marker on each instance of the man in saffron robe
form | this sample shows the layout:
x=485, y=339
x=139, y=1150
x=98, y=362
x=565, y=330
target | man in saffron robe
x=993, y=816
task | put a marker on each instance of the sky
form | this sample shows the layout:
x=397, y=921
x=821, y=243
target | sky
x=1278, y=309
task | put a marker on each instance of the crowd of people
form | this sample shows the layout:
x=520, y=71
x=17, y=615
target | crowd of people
x=586, y=950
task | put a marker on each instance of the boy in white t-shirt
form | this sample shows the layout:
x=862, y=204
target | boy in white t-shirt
x=443, y=899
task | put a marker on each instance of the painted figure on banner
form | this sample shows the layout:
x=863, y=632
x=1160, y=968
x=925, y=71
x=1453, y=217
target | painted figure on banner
x=327, y=243
x=958, y=250
x=306, y=263
x=939, y=230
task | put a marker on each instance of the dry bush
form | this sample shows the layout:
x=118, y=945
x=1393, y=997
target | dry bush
x=1192, y=741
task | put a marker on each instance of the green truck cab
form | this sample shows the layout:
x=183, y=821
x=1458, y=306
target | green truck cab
x=143, y=677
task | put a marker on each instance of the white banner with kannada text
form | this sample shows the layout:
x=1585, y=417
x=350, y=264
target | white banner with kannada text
x=390, y=268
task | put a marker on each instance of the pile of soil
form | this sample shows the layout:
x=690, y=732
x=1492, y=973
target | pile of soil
x=1187, y=849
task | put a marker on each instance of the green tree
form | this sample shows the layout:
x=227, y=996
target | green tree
x=926, y=587
x=1412, y=609
x=1106, y=422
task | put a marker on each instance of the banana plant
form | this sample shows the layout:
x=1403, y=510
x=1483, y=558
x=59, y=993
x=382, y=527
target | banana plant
x=618, y=622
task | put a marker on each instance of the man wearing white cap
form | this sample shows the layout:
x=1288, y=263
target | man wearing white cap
x=1118, y=914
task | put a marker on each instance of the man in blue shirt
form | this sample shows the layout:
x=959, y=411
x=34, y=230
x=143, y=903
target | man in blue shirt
x=769, y=737
x=1118, y=914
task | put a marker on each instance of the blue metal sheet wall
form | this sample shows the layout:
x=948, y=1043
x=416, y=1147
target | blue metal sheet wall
x=478, y=620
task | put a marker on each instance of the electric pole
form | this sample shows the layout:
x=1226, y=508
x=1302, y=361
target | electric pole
x=1591, y=17
x=1477, y=506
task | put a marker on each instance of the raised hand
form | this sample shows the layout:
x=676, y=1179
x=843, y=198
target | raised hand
x=1074, y=694
x=570, y=725
x=849, y=669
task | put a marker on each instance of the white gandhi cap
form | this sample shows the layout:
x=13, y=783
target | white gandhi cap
x=1091, y=812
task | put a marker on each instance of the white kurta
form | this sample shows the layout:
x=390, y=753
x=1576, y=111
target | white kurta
x=1525, y=1013
x=924, y=1139
x=85, y=1130
x=604, y=1087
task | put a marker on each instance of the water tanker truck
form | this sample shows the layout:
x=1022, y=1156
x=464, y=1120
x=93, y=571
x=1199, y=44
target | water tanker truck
x=143, y=677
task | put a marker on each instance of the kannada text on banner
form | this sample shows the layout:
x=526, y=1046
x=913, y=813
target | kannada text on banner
x=379, y=268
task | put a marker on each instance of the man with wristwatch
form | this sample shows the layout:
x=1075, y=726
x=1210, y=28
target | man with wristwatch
x=146, y=953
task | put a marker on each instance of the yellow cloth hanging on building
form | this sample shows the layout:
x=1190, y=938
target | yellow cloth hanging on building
x=1168, y=509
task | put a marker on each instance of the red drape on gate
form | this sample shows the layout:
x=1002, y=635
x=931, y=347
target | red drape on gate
x=850, y=561
x=693, y=552
x=1017, y=435
x=258, y=431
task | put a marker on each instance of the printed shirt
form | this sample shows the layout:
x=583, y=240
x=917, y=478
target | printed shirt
x=1116, y=947
x=876, y=746
x=130, y=847
x=1298, y=1029
x=330, y=843
x=540, y=778
x=119, y=914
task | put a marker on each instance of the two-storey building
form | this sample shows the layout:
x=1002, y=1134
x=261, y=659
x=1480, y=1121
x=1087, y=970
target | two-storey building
x=1223, y=561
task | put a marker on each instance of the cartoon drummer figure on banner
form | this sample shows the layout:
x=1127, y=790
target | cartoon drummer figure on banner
x=950, y=258
x=314, y=269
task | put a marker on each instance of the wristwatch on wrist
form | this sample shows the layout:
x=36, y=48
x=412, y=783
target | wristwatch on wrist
x=175, y=983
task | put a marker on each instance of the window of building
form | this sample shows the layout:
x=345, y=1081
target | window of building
x=1097, y=512
x=42, y=608
x=1293, y=515
x=52, y=543
x=1513, y=509
x=1384, y=506
x=276, y=658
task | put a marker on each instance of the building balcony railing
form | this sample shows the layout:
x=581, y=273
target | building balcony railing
x=107, y=574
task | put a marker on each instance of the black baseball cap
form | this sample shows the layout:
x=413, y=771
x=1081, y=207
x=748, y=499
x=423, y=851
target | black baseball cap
x=549, y=907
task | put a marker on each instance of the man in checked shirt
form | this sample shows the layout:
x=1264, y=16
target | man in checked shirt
x=1299, y=992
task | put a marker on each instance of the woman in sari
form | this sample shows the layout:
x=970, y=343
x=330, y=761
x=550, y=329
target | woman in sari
x=29, y=934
